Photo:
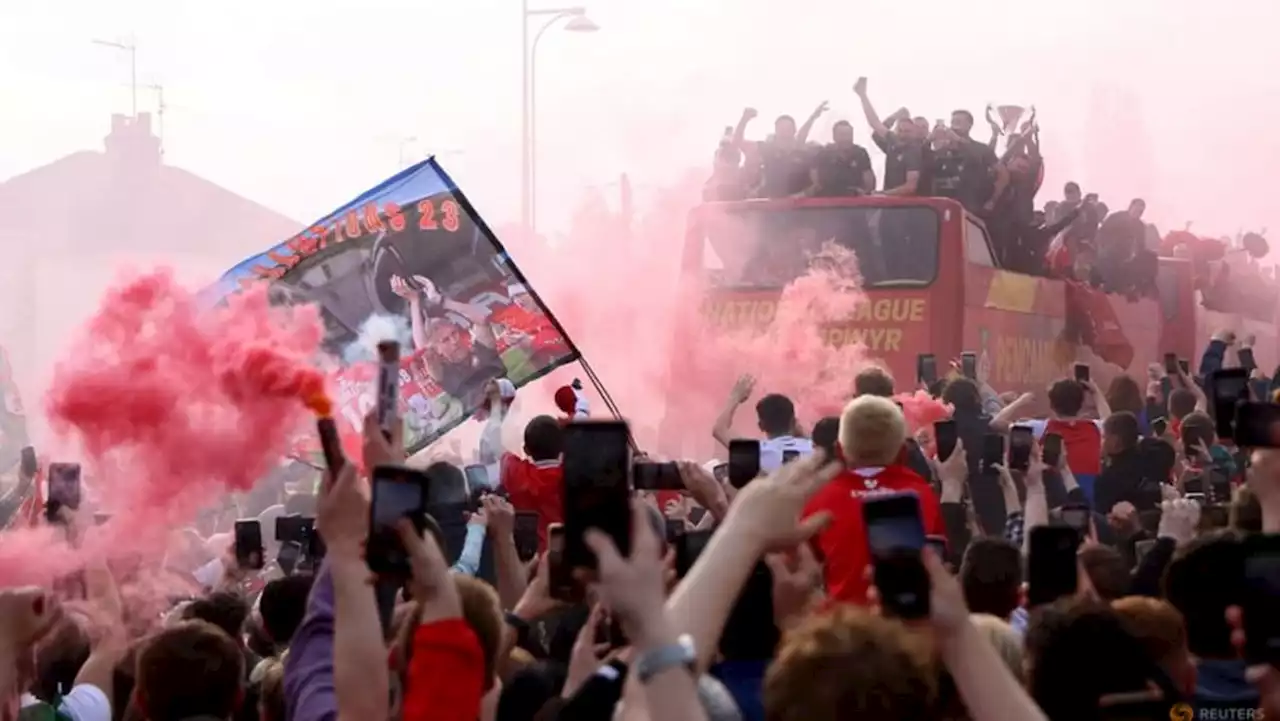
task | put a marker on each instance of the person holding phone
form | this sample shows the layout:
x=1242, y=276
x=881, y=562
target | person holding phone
x=873, y=433
x=1081, y=436
x=775, y=417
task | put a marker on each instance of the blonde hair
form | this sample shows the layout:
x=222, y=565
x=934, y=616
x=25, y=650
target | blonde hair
x=1001, y=635
x=872, y=431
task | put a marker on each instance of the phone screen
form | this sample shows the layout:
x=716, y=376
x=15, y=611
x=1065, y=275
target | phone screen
x=64, y=485
x=945, y=436
x=29, y=466
x=1082, y=373
x=477, y=476
x=992, y=450
x=969, y=365
x=1261, y=598
x=1171, y=363
x=397, y=493
x=927, y=368
x=688, y=547
x=1141, y=548
x=1051, y=449
x=597, y=461
x=290, y=554
x=675, y=529
x=895, y=535
x=744, y=462
x=559, y=574
x=248, y=544
x=525, y=531
x=1185, y=365
x=1257, y=425
x=1077, y=517
x=1227, y=389
x=1020, y=440
x=721, y=472
x=1051, y=566
x=1159, y=426
x=789, y=456
x=938, y=544
x=656, y=477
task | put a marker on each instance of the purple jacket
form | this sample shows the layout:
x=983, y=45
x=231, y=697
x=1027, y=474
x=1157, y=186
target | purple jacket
x=308, y=670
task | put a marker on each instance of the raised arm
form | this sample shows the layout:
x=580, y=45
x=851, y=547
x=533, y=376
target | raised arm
x=475, y=314
x=996, y=132
x=411, y=296
x=722, y=431
x=740, y=132
x=802, y=135
x=868, y=111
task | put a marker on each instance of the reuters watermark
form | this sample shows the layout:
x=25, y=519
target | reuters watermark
x=1186, y=712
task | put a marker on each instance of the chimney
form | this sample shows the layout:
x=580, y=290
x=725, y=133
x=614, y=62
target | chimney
x=130, y=144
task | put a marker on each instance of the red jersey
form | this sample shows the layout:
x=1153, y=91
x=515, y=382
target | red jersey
x=536, y=486
x=534, y=325
x=844, y=542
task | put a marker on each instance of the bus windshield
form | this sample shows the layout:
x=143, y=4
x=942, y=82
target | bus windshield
x=769, y=247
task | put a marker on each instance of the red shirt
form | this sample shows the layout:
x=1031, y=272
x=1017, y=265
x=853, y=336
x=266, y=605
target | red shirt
x=536, y=486
x=844, y=542
x=540, y=330
x=445, y=680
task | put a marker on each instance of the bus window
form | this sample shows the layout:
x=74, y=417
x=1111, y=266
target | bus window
x=770, y=247
x=977, y=248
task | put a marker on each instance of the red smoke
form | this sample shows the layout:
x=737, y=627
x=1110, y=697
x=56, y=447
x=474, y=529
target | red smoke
x=172, y=404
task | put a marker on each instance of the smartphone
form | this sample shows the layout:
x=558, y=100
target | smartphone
x=688, y=547
x=1227, y=389
x=1021, y=439
x=1246, y=359
x=597, y=489
x=525, y=533
x=248, y=544
x=969, y=365
x=1261, y=598
x=1051, y=565
x=1185, y=365
x=477, y=475
x=560, y=574
x=675, y=529
x=1171, y=364
x=789, y=456
x=1197, y=496
x=398, y=492
x=1219, y=486
x=289, y=556
x=1158, y=427
x=992, y=450
x=1077, y=517
x=29, y=466
x=721, y=472
x=927, y=369
x=656, y=477
x=744, y=461
x=1257, y=425
x=1142, y=548
x=895, y=535
x=1082, y=373
x=945, y=437
x=1051, y=449
x=1213, y=516
x=388, y=391
x=64, y=489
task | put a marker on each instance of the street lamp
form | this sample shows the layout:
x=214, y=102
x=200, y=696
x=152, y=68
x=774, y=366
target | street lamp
x=578, y=22
x=132, y=49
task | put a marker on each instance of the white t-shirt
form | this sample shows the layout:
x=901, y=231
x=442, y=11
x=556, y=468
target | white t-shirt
x=772, y=450
x=1037, y=426
x=85, y=703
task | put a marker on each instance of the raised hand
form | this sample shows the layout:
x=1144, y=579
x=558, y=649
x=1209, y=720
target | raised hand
x=742, y=389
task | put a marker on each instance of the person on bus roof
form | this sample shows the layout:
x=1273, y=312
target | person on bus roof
x=785, y=158
x=906, y=154
x=965, y=169
x=843, y=168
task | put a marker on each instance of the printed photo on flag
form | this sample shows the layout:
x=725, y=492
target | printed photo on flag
x=411, y=259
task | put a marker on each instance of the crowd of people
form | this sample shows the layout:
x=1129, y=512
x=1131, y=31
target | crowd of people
x=1115, y=250
x=765, y=599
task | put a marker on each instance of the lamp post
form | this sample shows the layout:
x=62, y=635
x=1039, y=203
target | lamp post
x=132, y=49
x=578, y=22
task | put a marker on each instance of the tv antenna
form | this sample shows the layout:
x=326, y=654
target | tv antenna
x=160, y=110
x=131, y=48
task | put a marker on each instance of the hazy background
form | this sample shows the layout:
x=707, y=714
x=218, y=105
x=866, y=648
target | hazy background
x=301, y=105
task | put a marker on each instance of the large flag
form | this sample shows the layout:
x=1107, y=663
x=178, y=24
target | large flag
x=411, y=258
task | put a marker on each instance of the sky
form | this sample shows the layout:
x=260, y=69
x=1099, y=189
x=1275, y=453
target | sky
x=301, y=105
